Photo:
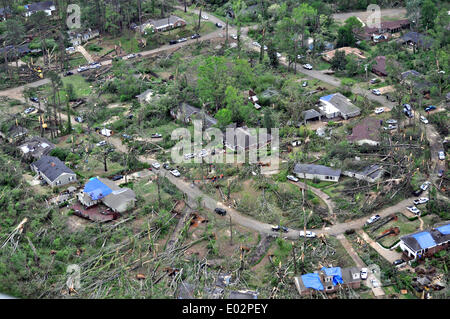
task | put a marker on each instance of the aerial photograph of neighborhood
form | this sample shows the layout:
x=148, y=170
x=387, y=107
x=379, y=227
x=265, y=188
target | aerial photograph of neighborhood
x=225, y=149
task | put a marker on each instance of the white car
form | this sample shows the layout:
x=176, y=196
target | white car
x=203, y=153
x=373, y=219
x=292, y=178
x=363, y=273
x=425, y=185
x=413, y=209
x=390, y=127
x=175, y=173
x=189, y=156
x=101, y=143
x=423, y=119
x=256, y=44
x=307, y=66
x=156, y=165
x=205, y=17
x=278, y=55
x=309, y=234
x=82, y=69
x=29, y=110
x=376, y=92
x=421, y=200
x=391, y=121
x=374, y=283
x=379, y=110
x=234, y=36
x=95, y=65
x=441, y=155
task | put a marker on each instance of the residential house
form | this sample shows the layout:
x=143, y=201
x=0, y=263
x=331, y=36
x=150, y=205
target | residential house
x=335, y=105
x=425, y=243
x=15, y=52
x=386, y=29
x=328, y=280
x=53, y=171
x=15, y=133
x=417, y=40
x=102, y=190
x=146, y=96
x=320, y=172
x=328, y=56
x=79, y=37
x=47, y=6
x=311, y=115
x=379, y=67
x=415, y=81
x=187, y=113
x=371, y=173
x=243, y=139
x=4, y=13
x=366, y=132
x=36, y=147
x=163, y=24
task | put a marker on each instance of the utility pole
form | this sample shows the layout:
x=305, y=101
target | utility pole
x=231, y=233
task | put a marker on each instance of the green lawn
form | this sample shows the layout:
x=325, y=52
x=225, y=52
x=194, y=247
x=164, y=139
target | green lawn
x=76, y=60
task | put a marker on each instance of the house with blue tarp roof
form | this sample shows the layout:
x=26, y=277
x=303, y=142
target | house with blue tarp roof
x=328, y=280
x=425, y=243
x=336, y=104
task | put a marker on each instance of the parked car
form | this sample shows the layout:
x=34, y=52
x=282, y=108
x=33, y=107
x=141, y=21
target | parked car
x=423, y=119
x=126, y=136
x=82, y=69
x=398, y=262
x=256, y=44
x=195, y=36
x=173, y=42
x=156, y=135
x=181, y=40
x=205, y=17
x=390, y=127
x=310, y=234
x=131, y=56
x=101, y=143
x=234, y=37
x=117, y=177
x=34, y=99
x=292, y=178
x=219, y=25
x=417, y=192
x=166, y=166
x=189, y=156
x=363, y=273
x=379, y=110
x=413, y=209
x=374, y=81
x=391, y=121
x=441, y=155
x=373, y=219
x=421, y=200
x=305, y=84
x=175, y=173
x=441, y=173
x=94, y=65
x=79, y=119
x=307, y=66
x=407, y=110
x=29, y=110
x=203, y=153
x=278, y=55
x=156, y=165
x=425, y=185
x=376, y=92
x=220, y=211
x=375, y=283
x=430, y=108
x=278, y=228
x=68, y=73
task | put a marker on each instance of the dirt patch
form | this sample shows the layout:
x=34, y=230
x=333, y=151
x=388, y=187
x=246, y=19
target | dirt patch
x=76, y=224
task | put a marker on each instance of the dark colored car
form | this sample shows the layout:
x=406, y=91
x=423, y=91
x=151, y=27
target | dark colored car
x=34, y=99
x=430, y=108
x=126, y=136
x=398, y=262
x=283, y=228
x=218, y=25
x=195, y=36
x=220, y=211
x=166, y=166
x=68, y=73
x=117, y=177
x=417, y=192
x=79, y=119
x=173, y=42
x=441, y=173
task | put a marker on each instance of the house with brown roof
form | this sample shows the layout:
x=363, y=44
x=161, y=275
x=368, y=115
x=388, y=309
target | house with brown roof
x=387, y=28
x=379, y=68
x=366, y=132
x=328, y=56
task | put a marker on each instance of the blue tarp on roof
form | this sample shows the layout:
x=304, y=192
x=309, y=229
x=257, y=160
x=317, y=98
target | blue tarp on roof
x=327, y=97
x=312, y=281
x=96, y=189
x=336, y=272
x=445, y=230
x=424, y=239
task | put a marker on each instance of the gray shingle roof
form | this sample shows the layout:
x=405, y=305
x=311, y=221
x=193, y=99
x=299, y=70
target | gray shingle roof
x=194, y=113
x=310, y=114
x=39, y=6
x=343, y=104
x=164, y=21
x=51, y=167
x=316, y=170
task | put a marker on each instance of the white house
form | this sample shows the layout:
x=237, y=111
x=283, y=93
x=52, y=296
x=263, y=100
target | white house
x=371, y=173
x=425, y=243
x=311, y=171
x=53, y=171
x=335, y=105
x=47, y=6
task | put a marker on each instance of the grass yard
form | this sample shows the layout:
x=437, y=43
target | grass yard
x=76, y=60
